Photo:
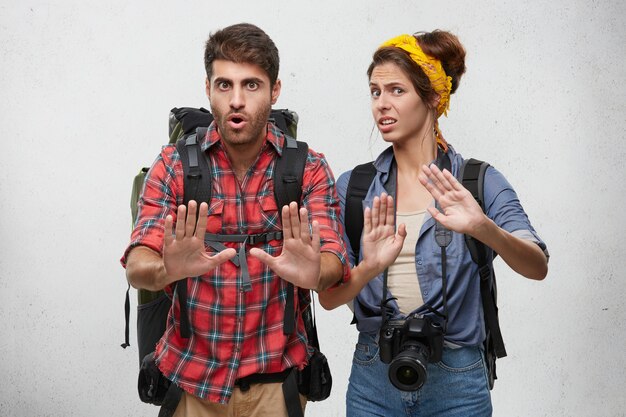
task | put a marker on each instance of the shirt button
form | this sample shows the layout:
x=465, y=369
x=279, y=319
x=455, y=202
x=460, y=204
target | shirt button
x=419, y=262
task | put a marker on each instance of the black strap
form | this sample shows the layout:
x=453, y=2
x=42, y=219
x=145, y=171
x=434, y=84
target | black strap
x=289, y=171
x=472, y=176
x=245, y=382
x=358, y=185
x=196, y=168
x=279, y=118
x=127, y=318
x=443, y=237
x=198, y=187
x=292, y=396
x=171, y=400
x=310, y=322
x=287, y=179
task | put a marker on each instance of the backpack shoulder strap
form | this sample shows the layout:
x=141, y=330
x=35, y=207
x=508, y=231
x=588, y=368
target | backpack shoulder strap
x=472, y=176
x=197, y=186
x=358, y=185
x=289, y=171
x=196, y=169
x=287, y=179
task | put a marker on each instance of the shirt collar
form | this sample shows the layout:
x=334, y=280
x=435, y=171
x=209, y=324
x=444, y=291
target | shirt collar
x=386, y=159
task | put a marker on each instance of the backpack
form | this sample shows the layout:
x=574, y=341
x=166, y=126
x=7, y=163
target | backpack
x=186, y=125
x=472, y=176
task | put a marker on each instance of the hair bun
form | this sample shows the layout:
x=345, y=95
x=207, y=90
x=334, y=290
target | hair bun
x=447, y=48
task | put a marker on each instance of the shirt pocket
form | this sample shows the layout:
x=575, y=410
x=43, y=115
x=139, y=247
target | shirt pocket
x=270, y=213
x=214, y=218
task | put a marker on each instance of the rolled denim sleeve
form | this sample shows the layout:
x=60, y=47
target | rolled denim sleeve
x=505, y=209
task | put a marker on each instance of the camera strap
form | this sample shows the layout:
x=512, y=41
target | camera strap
x=384, y=313
x=443, y=237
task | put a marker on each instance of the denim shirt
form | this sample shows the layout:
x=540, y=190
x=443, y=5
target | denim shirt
x=465, y=322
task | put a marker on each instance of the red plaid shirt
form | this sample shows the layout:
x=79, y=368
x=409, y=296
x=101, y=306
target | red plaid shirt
x=234, y=333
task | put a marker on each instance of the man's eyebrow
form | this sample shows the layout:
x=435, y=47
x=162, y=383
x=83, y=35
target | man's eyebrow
x=218, y=80
x=253, y=80
x=257, y=80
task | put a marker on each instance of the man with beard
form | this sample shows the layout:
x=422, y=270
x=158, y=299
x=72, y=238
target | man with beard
x=236, y=329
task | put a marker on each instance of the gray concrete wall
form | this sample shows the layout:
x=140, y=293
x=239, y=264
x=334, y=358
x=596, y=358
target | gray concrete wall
x=85, y=91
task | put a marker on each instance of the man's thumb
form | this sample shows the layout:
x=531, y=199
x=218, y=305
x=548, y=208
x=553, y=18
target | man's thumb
x=262, y=256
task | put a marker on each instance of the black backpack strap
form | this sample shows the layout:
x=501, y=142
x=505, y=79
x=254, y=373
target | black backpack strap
x=170, y=401
x=358, y=185
x=278, y=118
x=127, y=317
x=472, y=176
x=288, y=174
x=198, y=187
x=292, y=395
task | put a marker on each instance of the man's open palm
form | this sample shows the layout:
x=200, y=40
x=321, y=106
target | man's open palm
x=184, y=254
x=299, y=261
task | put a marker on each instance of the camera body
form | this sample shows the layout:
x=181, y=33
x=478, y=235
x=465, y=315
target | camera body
x=407, y=346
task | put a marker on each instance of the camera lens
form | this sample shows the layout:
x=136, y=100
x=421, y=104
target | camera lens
x=407, y=371
x=407, y=375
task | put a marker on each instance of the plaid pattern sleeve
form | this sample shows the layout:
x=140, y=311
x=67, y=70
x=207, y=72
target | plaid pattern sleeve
x=162, y=193
x=321, y=200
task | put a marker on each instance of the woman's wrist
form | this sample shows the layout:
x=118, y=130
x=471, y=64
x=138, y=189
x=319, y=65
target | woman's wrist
x=367, y=270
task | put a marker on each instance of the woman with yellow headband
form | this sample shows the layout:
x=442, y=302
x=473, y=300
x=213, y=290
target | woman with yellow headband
x=420, y=322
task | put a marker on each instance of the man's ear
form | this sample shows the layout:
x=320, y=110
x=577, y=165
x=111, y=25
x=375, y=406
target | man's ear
x=276, y=91
x=207, y=87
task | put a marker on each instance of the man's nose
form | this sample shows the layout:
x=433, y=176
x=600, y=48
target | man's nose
x=237, y=98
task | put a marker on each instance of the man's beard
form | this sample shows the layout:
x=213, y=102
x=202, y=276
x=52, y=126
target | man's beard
x=255, y=127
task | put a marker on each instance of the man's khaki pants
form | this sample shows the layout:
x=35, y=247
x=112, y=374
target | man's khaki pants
x=260, y=400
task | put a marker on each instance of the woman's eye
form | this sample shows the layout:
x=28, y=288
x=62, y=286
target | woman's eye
x=398, y=90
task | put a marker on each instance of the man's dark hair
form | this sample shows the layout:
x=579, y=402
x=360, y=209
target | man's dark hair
x=242, y=43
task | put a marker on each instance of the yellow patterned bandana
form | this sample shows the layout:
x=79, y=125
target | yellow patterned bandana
x=442, y=84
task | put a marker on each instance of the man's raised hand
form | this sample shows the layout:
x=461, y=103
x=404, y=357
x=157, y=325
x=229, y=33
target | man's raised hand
x=300, y=259
x=184, y=254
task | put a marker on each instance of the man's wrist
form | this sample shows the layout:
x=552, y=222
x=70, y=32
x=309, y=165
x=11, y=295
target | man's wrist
x=331, y=271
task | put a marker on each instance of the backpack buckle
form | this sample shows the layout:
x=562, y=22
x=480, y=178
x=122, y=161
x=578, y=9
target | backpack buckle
x=265, y=237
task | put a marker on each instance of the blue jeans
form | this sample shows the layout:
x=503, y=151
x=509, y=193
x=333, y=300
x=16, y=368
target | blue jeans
x=456, y=386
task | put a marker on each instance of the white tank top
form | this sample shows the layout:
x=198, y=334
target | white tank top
x=402, y=281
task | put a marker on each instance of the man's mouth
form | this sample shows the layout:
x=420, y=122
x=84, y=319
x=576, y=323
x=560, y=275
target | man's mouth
x=236, y=121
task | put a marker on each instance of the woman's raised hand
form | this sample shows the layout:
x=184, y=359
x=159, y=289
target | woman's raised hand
x=381, y=244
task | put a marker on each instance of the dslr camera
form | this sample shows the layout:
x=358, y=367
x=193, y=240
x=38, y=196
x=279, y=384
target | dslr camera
x=407, y=346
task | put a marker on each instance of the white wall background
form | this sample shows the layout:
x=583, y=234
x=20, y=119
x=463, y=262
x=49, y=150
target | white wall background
x=85, y=91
